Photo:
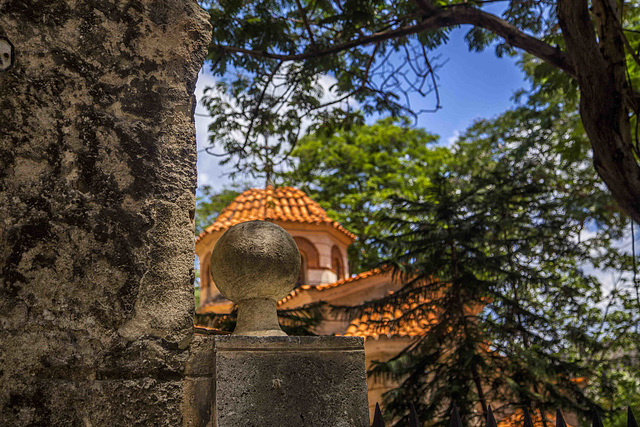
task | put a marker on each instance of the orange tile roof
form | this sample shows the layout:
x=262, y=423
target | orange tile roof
x=273, y=204
x=374, y=324
x=325, y=286
x=517, y=420
x=393, y=321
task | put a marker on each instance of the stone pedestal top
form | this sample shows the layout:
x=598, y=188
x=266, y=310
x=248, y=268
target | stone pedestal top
x=255, y=264
x=287, y=344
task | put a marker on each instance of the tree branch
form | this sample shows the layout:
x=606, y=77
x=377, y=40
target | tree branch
x=260, y=99
x=602, y=81
x=460, y=14
x=303, y=15
x=425, y=6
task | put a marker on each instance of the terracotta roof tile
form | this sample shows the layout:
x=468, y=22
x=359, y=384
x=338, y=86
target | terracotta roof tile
x=396, y=320
x=276, y=204
x=340, y=282
x=375, y=325
x=517, y=420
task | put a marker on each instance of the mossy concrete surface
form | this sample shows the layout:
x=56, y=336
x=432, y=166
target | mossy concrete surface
x=97, y=181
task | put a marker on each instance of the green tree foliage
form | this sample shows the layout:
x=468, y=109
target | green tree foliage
x=210, y=203
x=511, y=223
x=275, y=57
x=353, y=172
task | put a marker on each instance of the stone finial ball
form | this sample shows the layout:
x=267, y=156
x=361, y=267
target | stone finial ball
x=255, y=259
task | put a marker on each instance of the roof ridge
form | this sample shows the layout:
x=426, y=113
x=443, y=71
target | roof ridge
x=323, y=286
x=285, y=203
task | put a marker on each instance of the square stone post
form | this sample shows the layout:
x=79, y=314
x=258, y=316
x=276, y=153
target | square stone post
x=258, y=376
x=289, y=381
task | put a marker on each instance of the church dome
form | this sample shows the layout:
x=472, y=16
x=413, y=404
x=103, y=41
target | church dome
x=287, y=204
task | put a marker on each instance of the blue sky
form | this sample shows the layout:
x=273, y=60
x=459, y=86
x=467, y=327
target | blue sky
x=472, y=86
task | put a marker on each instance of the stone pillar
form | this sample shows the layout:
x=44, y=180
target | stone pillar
x=289, y=381
x=97, y=181
x=260, y=376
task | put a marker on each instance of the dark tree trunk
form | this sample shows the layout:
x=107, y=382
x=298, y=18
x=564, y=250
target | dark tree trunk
x=600, y=69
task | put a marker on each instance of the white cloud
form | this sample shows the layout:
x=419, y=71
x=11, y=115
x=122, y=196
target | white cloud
x=209, y=171
x=453, y=138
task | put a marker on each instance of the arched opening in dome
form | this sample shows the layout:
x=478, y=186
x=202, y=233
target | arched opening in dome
x=336, y=262
x=309, y=250
x=302, y=278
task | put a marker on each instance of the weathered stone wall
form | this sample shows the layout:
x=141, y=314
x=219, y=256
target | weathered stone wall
x=97, y=180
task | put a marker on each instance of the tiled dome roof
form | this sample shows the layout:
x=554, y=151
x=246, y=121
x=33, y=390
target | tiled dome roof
x=273, y=204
